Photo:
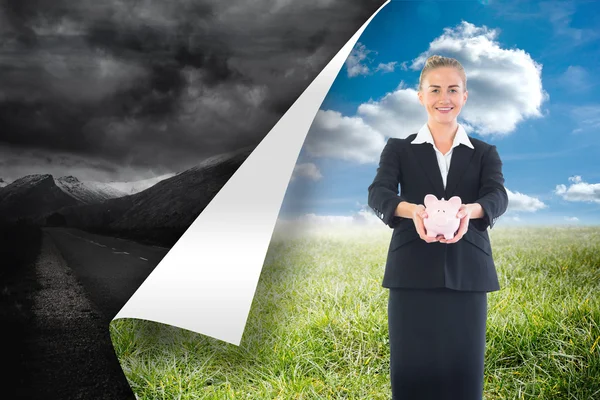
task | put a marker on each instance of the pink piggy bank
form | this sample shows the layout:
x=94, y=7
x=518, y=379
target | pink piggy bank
x=441, y=216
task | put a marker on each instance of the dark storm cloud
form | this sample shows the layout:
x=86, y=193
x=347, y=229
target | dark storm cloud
x=148, y=83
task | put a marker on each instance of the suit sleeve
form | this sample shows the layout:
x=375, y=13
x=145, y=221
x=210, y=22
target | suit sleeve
x=383, y=192
x=492, y=194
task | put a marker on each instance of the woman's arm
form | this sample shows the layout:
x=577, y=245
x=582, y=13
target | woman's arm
x=493, y=198
x=475, y=210
x=383, y=192
x=406, y=209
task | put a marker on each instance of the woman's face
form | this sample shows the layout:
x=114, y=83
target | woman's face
x=443, y=94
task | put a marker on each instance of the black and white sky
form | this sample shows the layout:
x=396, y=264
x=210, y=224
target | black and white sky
x=124, y=90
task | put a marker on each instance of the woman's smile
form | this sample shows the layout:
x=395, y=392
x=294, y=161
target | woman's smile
x=443, y=94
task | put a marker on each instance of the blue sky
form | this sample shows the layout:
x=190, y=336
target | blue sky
x=534, y=92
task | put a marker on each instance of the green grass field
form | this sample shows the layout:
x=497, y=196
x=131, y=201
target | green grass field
x=318, y=325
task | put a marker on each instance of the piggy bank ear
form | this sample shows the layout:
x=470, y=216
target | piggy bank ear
x=430, y=200
x=455, y=201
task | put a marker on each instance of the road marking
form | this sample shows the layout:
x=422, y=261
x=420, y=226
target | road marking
x=142, y=258
x=87, y=240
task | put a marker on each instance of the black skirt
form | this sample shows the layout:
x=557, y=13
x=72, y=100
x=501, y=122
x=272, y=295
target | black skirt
x=437, y=343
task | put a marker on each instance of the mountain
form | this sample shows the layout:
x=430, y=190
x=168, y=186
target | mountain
x=3, y=183
x=163, y=212
x=177, y=201
x=87, y=192
x=35, y=195
x=31, y=195
x=137, y=186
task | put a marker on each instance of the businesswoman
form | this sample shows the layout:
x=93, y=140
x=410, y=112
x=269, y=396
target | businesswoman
x=437, y=306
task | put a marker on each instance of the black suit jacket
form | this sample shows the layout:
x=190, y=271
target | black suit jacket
x=475, y=176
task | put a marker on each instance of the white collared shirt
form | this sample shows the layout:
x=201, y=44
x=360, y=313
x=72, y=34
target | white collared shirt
x=424, y=136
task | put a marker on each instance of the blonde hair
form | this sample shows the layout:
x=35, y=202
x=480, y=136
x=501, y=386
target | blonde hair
x=436, y=61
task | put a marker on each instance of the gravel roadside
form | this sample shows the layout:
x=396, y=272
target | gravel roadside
x=70, y=354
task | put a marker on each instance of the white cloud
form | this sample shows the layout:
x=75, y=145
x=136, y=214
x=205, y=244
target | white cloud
x=397, y=114
x=504, y=89
x=388, y=67
x=505, y=85
x=560, y=15
x=522, y=202
x=587, y=118
x=579, y=190
x=346, y=138
x=363, y=217
x=362, y=223
x=358, y=60
x=576, y=78
x=361, y=138
x=355, y=62
x=572, y=219
x=307, y=170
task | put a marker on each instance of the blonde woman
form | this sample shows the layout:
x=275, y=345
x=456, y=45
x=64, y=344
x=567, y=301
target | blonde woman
x=437, y=307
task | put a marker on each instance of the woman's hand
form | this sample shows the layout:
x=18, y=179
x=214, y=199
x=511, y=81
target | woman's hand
x=464, y=213
x=418, y=215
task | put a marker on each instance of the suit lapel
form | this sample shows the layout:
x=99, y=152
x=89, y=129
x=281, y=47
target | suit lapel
x=461, y=158
x=426, y=156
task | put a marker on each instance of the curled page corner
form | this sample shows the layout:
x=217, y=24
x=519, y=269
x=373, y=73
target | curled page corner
x=206, y=282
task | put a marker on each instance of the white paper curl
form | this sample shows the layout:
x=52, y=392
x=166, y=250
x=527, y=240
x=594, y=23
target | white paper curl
x=206, y=282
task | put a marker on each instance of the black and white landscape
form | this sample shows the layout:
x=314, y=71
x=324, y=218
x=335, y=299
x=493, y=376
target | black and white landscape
x=158, y=214
x=68, y=269
x=119, y=122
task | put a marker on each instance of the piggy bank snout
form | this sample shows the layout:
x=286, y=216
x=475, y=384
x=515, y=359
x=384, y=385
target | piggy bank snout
x=441, y=215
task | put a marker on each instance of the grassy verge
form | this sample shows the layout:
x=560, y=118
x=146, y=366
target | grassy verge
x=318, y=327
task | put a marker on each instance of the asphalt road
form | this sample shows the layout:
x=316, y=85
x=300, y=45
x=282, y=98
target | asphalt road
x=81, y=281
x=110, y=269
